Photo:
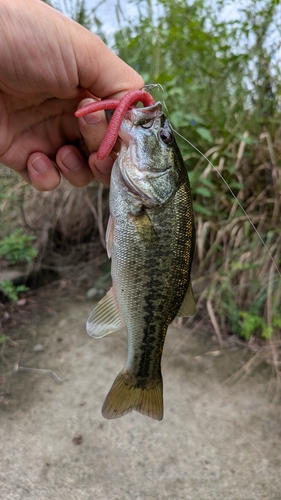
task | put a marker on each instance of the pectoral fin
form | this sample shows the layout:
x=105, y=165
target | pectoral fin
x=188, y=307
x=105, y=318
x=109, y=236
x=145, y=229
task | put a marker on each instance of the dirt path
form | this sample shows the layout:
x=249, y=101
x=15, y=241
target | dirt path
x=217, y=441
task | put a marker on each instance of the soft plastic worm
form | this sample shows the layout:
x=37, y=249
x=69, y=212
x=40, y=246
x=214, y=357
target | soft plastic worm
x=121, y=107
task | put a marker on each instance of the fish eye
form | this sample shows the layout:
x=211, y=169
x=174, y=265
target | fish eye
x=165, y=136
x=147, y=124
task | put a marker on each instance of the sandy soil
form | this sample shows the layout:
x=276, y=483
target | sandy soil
x=219, y=440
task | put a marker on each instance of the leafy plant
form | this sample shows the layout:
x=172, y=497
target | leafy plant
x=253, y=324
x=221, y=79
x=221, y=84
x=10, y=290
x=18, y=247
x=15, y=248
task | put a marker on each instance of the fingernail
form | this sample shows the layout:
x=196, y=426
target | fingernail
x=104, y=166
x=93, y=118
x=40, y=165
x=71, y=161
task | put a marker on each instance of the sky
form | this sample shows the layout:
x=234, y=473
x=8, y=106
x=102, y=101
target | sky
x=107, y=10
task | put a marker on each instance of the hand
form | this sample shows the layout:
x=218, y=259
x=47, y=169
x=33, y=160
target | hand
x=48, y=63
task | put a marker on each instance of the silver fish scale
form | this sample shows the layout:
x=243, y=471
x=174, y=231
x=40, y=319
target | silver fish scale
x=151, y=260
x=150, y=238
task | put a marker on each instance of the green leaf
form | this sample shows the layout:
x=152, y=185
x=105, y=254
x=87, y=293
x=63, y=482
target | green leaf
x=17, y=246
x=205, y=134
x=190, y=117
x=203, y=192
x=247, y=140
x=10, y=290
x=267, y=332
x=207, y=182
x=200, y=209
x=276, y=322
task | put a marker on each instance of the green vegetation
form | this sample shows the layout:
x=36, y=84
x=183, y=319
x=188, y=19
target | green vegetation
x=17, y=246
x=222, y=87
x=10, y=290
x=221, y=82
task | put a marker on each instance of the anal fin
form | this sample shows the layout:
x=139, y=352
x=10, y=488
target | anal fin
x=188, y=306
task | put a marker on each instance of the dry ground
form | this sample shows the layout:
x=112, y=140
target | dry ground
x=219, y=440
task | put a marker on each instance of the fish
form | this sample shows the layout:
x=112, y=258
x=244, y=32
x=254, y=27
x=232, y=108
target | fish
x=150, y=239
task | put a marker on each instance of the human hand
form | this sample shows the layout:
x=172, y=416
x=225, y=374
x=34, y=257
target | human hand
x=48, y=63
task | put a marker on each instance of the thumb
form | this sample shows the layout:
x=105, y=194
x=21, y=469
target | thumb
x=92, y=126
x=101, y=71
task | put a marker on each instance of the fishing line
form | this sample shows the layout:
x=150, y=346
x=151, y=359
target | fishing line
x=150, y=88
x=236, y=199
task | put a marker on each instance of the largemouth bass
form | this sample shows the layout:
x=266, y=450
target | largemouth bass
x=150, y=239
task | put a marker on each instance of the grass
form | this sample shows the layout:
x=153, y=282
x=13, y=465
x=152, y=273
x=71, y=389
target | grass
x=242, y=288
x=242, y=275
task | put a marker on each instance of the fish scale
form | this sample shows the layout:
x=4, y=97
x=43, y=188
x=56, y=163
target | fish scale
x=150, y=239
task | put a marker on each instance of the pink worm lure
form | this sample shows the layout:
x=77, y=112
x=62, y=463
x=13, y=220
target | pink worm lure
x=121, y=107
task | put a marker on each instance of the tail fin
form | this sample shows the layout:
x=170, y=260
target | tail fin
x=126, y=395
